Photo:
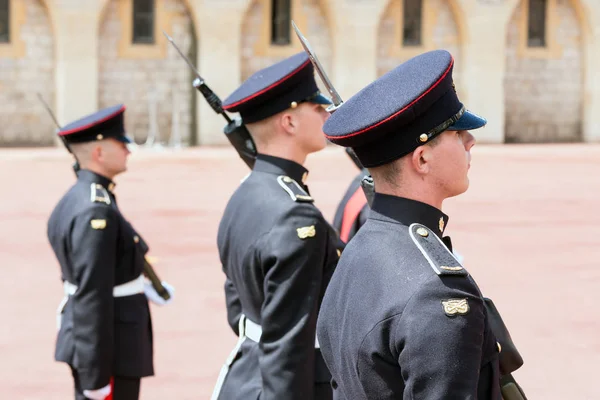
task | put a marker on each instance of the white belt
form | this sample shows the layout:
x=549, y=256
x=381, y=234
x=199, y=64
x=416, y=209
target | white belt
x=247, y=330
x=125, y=289
x=254, y=332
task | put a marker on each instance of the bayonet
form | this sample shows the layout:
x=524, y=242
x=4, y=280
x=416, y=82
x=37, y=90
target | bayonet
x=76, y=166
x=335, y=96
x=187, y=60
x=47, y=107
x=199, y=83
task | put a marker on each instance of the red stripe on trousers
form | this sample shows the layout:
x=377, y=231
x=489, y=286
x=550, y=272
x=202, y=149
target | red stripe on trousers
x=112, y=389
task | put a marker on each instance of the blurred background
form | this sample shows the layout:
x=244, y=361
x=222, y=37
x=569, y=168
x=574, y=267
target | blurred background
x=529, y=66
x=528, y=227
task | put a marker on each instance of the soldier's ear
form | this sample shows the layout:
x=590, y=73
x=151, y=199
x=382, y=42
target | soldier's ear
x=97, y=152
x=288, y=122
x=421, y=158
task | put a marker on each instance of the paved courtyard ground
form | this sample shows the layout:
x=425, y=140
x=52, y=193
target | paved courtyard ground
x=529, y=229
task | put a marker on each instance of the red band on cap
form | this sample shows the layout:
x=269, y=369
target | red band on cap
x=237, y=103
x=397, y=112
x=81, y=128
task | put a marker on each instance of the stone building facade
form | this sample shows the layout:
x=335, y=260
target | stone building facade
x=529, y=66
x=27, y=68
x=151, y=79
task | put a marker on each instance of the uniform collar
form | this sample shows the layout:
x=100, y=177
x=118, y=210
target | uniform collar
x=408, y=211
x=85, y=175
x=281, y=166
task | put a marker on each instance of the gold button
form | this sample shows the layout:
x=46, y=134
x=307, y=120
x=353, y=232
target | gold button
x=339, y=252
x=499, y=347
x=294, y=104
x=100, y=136
x=136, y=239
x=423, y=232
x=111, y=186
x=304, y=176
x=423, y=137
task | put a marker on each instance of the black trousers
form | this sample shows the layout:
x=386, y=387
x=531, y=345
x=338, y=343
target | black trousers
x=123, y=388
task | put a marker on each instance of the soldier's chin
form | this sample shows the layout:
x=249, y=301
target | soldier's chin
x=121, y=170
x=322, y=144
x=460, y=189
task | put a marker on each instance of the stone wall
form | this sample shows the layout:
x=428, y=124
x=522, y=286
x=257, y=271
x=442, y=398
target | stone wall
x=256, y=53
x=439, y=31
x=543, y=89
x=156, y=85
x=26, y=68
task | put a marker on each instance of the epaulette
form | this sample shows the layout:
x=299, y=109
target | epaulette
x=99, y=194
x=296, y=192
x=441, y=260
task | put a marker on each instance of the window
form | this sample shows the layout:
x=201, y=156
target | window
x=280, y=22
x=536, y=23
x=143, y=21
x=4, y=21
x=411, y=33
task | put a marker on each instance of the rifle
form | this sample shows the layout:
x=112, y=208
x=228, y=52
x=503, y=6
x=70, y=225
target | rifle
x=510, y=360
x=155, y=280
x=63, y=140
x=235, y=130
x=148, y=270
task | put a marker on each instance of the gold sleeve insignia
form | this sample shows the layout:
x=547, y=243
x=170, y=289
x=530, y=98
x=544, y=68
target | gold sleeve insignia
x=306, y=232
x=454, y=307
x=98, y=223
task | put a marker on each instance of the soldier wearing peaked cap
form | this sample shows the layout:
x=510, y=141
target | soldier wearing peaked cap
x=402, y=318
x=276, y=248
x=105, y=329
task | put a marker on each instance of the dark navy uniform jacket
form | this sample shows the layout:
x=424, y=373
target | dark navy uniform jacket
x=100, y=336
x=278, y=254
x=401, y=318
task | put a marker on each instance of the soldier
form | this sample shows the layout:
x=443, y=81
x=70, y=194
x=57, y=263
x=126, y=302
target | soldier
x=105, y=329
x=277, y=250
x=402, y=318
x=353, y=210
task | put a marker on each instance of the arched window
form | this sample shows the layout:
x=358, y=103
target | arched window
x=281, y=16
x=4, y=21
x=143, y=21
x=536, y=23
x=412, y=16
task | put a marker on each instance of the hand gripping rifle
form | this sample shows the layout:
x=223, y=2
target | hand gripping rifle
x=148, y=270
x=235, y=130
x=510, y=359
